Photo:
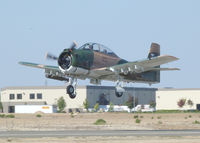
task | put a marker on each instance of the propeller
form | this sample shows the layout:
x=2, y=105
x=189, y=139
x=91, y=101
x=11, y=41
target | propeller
x=73, y=45
x=50, y=56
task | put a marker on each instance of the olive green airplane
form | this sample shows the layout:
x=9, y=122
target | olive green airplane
x=96, y=62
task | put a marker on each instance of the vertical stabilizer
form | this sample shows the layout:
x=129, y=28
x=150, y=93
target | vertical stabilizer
x=154, y=50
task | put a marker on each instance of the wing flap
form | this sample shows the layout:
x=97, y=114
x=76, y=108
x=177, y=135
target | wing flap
x=101, y=72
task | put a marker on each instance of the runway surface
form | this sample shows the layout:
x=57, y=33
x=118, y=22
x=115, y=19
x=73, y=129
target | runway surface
x=81, y=133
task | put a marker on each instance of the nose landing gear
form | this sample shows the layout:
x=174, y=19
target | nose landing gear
x=71, y=88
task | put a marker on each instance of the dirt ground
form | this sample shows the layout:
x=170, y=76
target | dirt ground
x=103, y=140
x=128, y=139
x=115, y=121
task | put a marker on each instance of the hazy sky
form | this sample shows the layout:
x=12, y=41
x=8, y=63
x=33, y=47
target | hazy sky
x=29, y=29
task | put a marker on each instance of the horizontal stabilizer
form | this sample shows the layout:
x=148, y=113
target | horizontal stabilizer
x=165, y=69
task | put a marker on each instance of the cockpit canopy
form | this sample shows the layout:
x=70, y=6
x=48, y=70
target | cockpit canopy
x=98, y=48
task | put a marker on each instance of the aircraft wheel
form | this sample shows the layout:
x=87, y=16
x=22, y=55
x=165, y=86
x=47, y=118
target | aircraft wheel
x=118, y=94
x=70, y=90
x=72, y=96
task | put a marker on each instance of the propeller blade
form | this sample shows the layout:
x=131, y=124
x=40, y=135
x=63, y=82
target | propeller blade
x=73, y=45
x=50, y=57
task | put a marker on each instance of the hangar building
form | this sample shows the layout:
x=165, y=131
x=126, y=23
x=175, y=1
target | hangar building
x=48, y=95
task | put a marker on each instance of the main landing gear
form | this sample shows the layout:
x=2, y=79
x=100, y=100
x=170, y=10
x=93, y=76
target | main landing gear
x=119, y=90
x=71, y=88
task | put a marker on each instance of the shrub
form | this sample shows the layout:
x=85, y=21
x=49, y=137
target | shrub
x=196, y=122
x=137, y=121
x=152, y=117
x=129, y=103
x=1, y=106
x=190, y=116
x=2, y=115
x=96, y=107
x=135, y=116
x=86, y=104
x=152, y=104
x=7, y=116
x=38, y=115
x=181, y=103
x=141, y=116
x=111, y=107
x=72, y=114
x=100, y=122
x=10, y=116
x=159, y=117
x=190, y=102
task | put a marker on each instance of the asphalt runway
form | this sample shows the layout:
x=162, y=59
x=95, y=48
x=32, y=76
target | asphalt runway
x=81, y=133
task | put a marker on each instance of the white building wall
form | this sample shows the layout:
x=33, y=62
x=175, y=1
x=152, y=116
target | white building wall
x=49, y=96
x=167, y=99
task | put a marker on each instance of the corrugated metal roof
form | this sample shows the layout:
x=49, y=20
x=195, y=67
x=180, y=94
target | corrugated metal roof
x=64, y=87
x=176, y=89
x=126, y=88
x=93, y=87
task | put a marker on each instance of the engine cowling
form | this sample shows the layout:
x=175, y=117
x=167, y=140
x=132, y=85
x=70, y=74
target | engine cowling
x=65, y=60
x=65, y=65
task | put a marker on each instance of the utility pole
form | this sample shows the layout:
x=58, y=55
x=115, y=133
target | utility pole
x=133, y=102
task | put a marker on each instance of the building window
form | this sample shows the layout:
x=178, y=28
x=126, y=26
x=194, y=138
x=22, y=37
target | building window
x=39, y=96
x=32, y=96
x=19, y=96
x=12, y=96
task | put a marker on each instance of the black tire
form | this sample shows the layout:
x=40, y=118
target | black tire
x=72, y=96
x=118, y=94
x=70, y=90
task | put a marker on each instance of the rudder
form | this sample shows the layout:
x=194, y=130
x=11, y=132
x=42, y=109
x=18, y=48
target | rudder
x=154, y=50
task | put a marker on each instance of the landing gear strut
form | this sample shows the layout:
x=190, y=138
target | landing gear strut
x=71, y=88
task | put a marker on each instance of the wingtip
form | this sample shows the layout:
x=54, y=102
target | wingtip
x=173, y=57
x=21, y=63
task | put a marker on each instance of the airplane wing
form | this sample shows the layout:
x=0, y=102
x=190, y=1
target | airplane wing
x=137, y=66
x=38, y=65
x=52, y=72
x=145, y=65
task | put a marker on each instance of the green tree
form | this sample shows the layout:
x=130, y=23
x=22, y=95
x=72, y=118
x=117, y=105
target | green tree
x=61, y=104
x=96, y=106
x=86, y=104
x=111, y=107
x=1, y=107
